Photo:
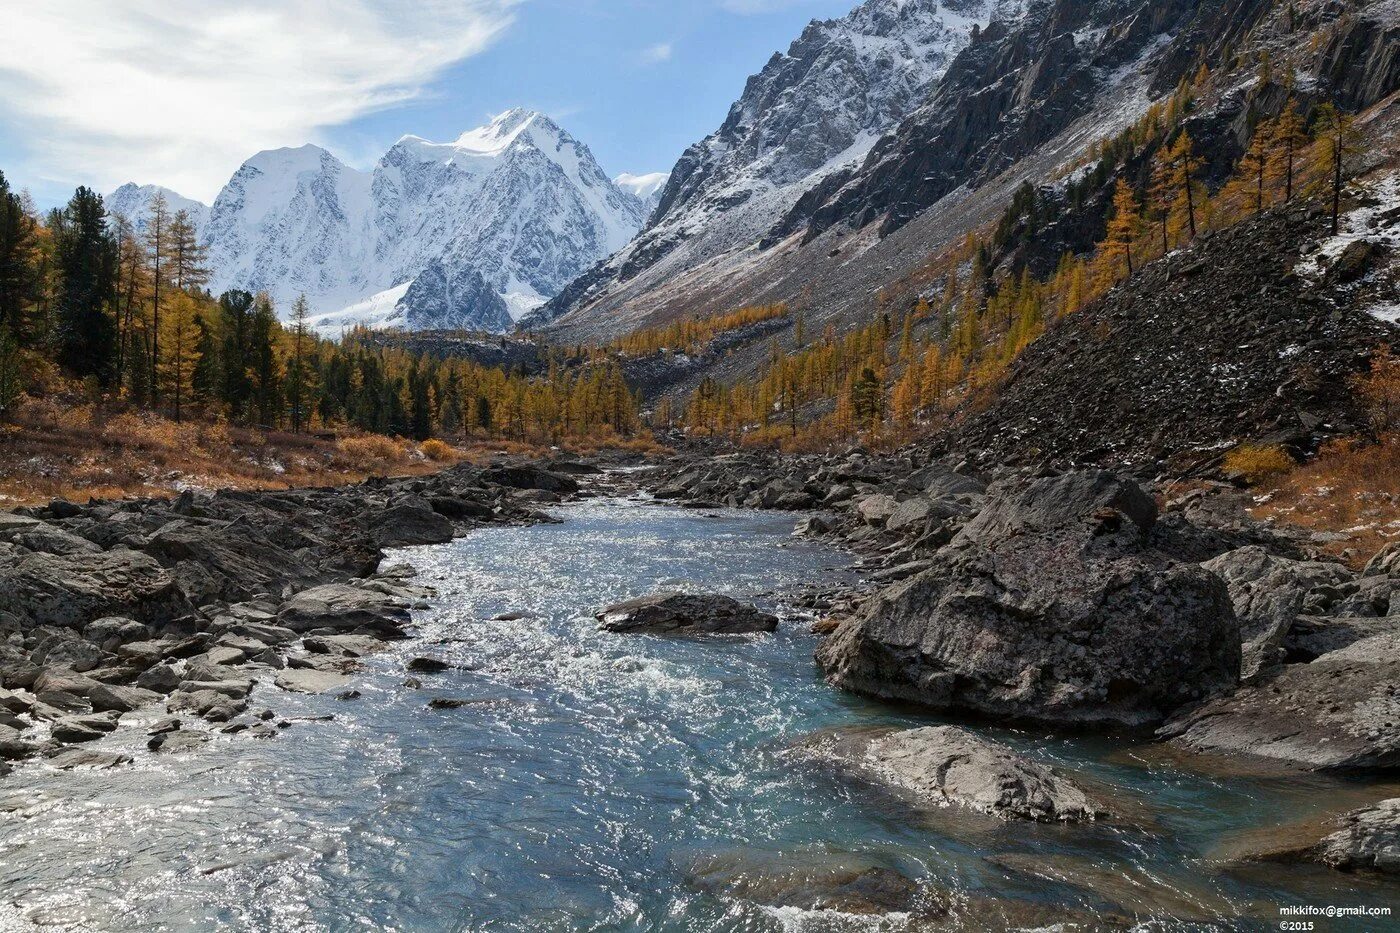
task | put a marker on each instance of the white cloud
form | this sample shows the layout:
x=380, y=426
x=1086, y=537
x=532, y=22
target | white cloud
x=661, y=52
x=180, y=92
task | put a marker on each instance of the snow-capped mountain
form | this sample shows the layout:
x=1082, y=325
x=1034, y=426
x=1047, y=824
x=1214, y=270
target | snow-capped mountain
x=132, y=201
x=647, y=188
x=470, y=233
x=809, y=112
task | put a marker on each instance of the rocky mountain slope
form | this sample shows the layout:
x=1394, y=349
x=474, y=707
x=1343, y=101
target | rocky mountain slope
x=1205, y=348
x=471, y=233
x=1023, y=103
x=808, y=113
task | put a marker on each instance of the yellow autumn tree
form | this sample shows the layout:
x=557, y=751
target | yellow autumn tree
x=179, y=349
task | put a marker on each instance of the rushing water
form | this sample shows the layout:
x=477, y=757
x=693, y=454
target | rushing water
x=589, y=774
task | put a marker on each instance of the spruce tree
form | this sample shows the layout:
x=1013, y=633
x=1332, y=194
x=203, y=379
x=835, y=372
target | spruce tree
x=86, y=261
x=18, y=278
x=236, y=313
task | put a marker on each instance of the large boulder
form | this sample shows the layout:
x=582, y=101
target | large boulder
x=410, y=523
x=686, y=614
x=229, y=560
x=1368, y=839
x=1268, y=593
x=1049, y=605
x=71, y=590
x=946, y=765
x=530, y=476
x=342, y=607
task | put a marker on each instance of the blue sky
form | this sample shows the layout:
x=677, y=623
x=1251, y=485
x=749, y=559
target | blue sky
x=155, y=93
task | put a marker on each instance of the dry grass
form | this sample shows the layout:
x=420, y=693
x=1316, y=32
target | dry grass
x=75, y=450
x=49, y=450
x=1258, y=462
x=1351, y=490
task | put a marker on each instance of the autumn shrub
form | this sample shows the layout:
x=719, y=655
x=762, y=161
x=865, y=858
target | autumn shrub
x=438, y=451
x=1258, y=462
x=369, y=451
x=1379, y=390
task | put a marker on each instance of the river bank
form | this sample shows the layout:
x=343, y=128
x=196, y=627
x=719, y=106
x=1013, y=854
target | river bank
x=307, y=623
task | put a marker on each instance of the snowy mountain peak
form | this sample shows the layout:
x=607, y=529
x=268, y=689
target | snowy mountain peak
x=642, y=186
x=133, y=201
x=504, y=129
x=463, y=233
x=807, y=113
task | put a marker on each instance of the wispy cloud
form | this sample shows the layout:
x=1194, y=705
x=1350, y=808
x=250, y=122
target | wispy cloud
x=179, y=92
x=661, y=52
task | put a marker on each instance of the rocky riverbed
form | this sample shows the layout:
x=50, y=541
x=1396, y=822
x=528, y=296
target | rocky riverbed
x=1114, y=671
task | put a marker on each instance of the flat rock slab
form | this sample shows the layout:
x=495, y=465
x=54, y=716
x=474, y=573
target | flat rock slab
x=1335, y=715
x=311, y=681
x=686, y=614
x=948, y=766
x=88, y=759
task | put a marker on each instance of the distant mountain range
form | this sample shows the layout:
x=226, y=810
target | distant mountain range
x=473, y=233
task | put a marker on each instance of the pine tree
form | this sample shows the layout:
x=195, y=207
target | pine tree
x=1337, y=141
x=1184, y=168
x=157, y=255
x=133, y=283
x=1123, y=227
x=18, y=280
x=10, y=387
x=1289, y=139
x=86, y=264
x=236, y=318
x=188, y=269
x=1255, y=162
x=298, y=374
x=179, y=350
x=264, y=370
x=1160, y=199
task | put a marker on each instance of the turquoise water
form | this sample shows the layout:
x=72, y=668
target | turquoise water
x=588, y=775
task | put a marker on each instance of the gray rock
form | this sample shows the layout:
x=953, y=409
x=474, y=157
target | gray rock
x=876, y=510
x=342, y=607
x=807, y=880
x=682, y=613
x=943, y=765
x=1268, y=593
x=350, y=646
x=1328, y=715
x=1365, y=839
x=63, y=649
x=178, y=741
x=72, y=590
x=311, y=681
x=108, y=697
x=209, y=704
x=1049, y=605
x=811, y=527
x=162, y=678
x=63, y=680
x=88, y=759
x=1072, y=503
x=1386, y=562
x=75, y=729
x=411, y=523
x=1369, y=839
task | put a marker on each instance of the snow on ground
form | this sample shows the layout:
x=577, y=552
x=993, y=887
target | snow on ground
x=1367, y=222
